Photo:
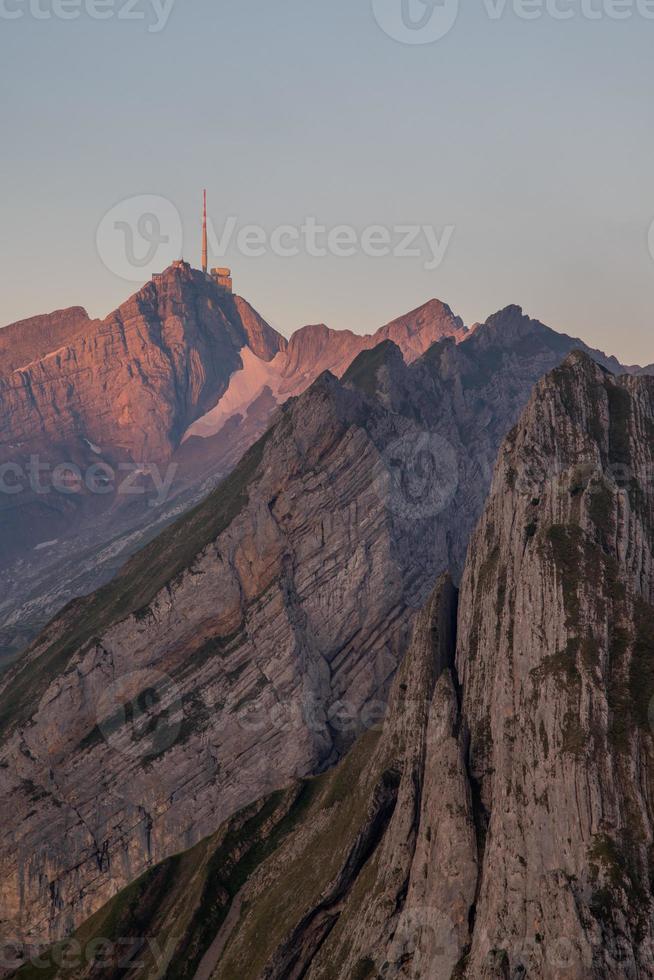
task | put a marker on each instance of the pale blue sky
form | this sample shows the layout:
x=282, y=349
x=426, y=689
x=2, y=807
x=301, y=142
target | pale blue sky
x=534, y=139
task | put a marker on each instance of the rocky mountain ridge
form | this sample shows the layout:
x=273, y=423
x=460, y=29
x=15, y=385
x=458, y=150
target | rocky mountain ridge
x=500, y=823
x=293, y=587
x=112, y=406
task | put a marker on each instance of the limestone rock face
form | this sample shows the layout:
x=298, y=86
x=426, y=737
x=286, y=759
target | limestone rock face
x=133, y=381
x=290, y=602
x=412, y=917
x=29, y=340
x=108, y=397
x=316, y=348
x=130, y=395
x=291, y=590
x=263, y=341
x=167, y=393
x=501, y=822
x=556, y=662
x=415, y=332
x=520, y=843
x=372, y=863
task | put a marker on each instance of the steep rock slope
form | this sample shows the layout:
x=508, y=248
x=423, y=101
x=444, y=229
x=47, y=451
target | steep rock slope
x=28, y=340
x=179, y=362
x=331, y=870
x=134, y=381
x=317, y=348
x=283, y=591
x=106, y=397
x=501, y=824
x=292, y=588
x=556, y=659
x=415, y=332
x=191, y=386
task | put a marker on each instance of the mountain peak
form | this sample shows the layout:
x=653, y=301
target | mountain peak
x=582, y=359
x=509, y=316
x=416, y=331
x=27, y=340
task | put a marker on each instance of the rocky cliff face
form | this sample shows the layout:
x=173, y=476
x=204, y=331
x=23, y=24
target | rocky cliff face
x=327, y=877
x=415, y=332
x=291, y=589
x=501, y=823
x=311, y=351
x=134, y=381
x=29, y=340
x=556, y=660
x=314, y=349
x=105, y=397
x=279, y=593
x=166, y=395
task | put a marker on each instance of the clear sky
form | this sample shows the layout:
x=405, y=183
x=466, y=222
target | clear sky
x=532, y=140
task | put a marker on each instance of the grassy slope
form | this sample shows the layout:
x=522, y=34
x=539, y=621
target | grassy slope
x=182, y=902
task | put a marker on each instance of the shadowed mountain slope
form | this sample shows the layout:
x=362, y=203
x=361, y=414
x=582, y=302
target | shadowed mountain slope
x=501, y=823
x=143, y=413
x=293, y=587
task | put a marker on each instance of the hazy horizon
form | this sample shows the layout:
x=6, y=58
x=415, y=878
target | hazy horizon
x=530, y=139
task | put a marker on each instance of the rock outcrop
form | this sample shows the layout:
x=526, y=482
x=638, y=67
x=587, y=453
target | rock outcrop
x=296, y=582
x=149, y=409
x=556, y=661
x=282, y=590
x=330, y=871
x=316, y=348
x=501, y=822
x=29, y=340
x=165, y=395
x=134, y=381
